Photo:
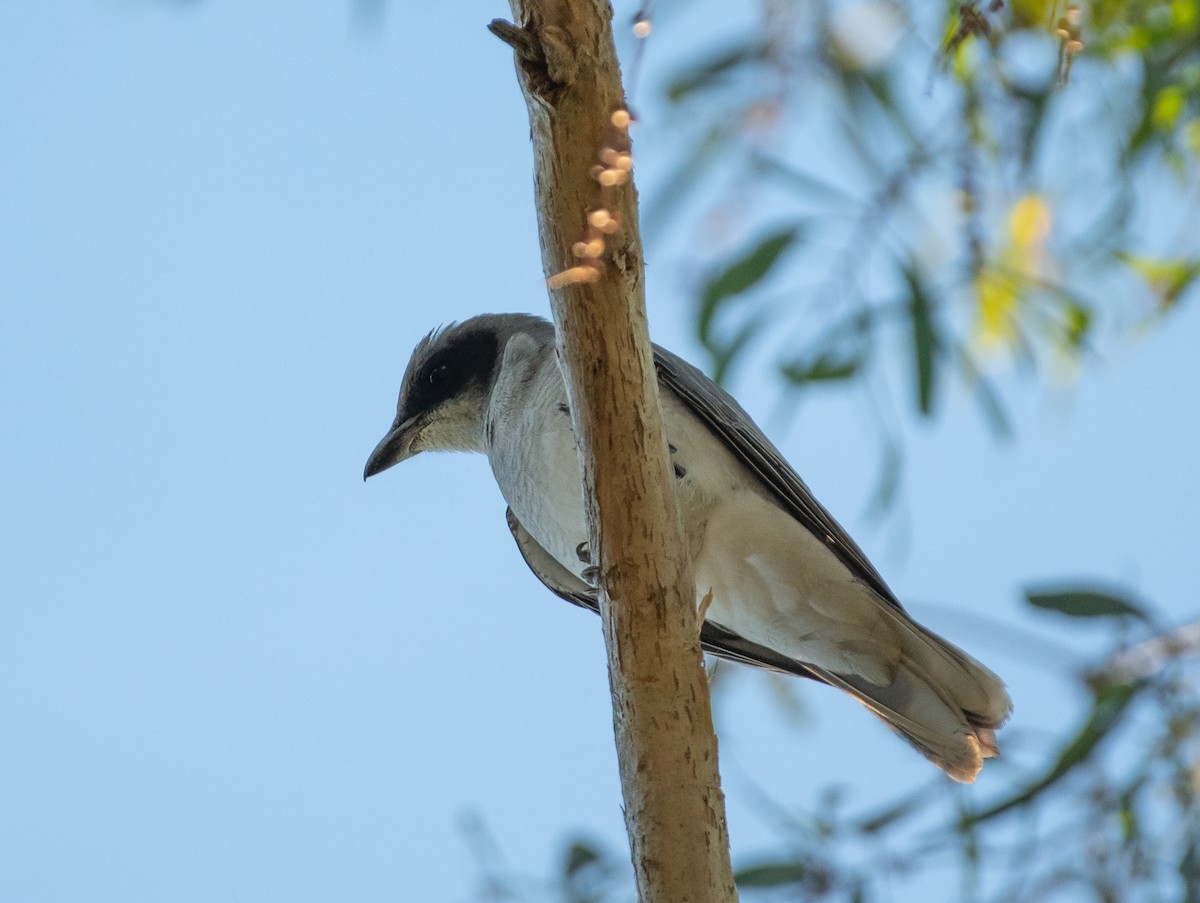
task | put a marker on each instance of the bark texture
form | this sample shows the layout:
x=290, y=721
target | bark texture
x=674, y=808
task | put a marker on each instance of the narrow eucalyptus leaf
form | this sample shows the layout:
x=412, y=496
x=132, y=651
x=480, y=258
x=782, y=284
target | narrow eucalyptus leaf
x=924, y=337
x=741, y=274
x=1083, y=602
x=771, y=874
x=825, y=368
x=709, y=72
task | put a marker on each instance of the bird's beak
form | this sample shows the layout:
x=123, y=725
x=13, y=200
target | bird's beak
x=396, y=446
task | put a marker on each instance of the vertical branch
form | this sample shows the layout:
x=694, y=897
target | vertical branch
x=674, y=808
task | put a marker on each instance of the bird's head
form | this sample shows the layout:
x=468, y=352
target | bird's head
x=446, y=388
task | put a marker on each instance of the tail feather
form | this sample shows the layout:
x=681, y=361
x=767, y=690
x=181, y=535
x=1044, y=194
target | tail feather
x=940, y=700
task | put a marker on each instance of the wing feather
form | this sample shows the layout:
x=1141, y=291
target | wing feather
x=730, y=423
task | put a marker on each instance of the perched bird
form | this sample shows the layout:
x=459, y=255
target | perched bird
x=786, y=588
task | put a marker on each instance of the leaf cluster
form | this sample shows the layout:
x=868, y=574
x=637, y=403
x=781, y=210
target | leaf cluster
x=968, y=185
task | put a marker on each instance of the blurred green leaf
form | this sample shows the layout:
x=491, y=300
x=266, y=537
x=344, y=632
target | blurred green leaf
x=829, y=366
x=1078, y=323
x=1085, y=603
x=579, y=856
x=741, y=274
x=1168, y=278
x=924, y=336
x=1036, y=103
x=1032, y=13
x=724, y=354
x=1127, y=813
x=772, y=874
x=1189, y=868
x=887, y=486
x=704, y=74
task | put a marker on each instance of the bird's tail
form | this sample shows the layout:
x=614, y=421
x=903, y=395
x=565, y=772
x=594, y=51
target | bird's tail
x=940, y=700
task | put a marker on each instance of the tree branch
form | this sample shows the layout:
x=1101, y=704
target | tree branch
x=1148, y=657
x=674, y=808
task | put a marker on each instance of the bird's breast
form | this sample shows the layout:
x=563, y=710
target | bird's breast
x=535, y=461
x=536, y=465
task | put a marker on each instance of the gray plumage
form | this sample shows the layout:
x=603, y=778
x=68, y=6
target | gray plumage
x=791, y=591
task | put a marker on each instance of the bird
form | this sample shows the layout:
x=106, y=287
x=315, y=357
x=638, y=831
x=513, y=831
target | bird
x=780, y=584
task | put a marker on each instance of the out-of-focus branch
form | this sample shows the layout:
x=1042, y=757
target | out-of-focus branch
x=1148, y=657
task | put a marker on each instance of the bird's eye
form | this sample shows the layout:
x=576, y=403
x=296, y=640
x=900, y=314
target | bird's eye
x=438, y=373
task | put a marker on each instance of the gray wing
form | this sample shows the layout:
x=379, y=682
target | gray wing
x=546, y=568
x=733, y=426
x=713, y=639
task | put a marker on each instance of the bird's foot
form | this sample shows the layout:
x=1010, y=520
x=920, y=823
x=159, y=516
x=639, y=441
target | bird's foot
x=680, y=472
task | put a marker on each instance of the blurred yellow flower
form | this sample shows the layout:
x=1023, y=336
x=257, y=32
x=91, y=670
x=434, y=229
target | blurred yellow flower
x=998, y=296
x=1001, y=286
x=1029, y=222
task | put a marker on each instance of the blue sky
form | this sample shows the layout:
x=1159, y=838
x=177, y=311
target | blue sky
x=228, y=669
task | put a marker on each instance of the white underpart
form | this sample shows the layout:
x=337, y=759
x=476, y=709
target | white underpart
x=533, y=453
x=773, y=582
